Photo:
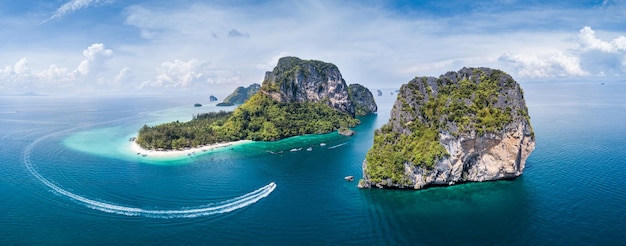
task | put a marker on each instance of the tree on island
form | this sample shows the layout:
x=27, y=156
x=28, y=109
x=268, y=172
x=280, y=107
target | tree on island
x=285, y=106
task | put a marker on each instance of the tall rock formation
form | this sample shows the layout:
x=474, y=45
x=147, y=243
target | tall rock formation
x=297, y=97
x=242, y=94
x=297, y=80
x=362, y=99
x=470, y=125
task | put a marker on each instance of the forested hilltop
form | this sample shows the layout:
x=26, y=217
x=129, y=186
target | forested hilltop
x=298, y=97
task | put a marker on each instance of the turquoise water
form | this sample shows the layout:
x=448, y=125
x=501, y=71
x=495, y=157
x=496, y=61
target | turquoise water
x=68, y=178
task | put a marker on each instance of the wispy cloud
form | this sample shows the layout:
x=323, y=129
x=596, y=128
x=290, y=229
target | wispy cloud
x=73, y=6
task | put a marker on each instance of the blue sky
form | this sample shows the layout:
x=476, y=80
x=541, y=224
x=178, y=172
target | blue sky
x=116, y=46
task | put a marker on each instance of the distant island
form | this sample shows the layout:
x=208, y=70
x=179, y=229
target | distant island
x=212, y=98
x=224, y=104
x=297, y=97
x=197, y=105
x=363, y=100
x=242, y=94
x=470, y=125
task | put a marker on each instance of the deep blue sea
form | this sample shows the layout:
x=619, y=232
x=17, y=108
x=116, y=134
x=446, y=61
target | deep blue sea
x=67, y=177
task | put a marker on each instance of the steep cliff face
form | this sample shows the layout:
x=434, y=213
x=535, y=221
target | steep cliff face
x=242, y=94
x=362, y=99
x=470, y=125
x=297, y=80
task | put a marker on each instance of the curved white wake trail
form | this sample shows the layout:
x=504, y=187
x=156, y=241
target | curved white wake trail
x=185, y=212
x=338, y=145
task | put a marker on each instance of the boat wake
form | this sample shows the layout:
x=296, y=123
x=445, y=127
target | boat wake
x=184, y=212
x=338, y=145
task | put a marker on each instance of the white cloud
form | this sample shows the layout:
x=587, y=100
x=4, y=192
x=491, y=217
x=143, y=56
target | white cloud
x=602, y=57
x=544, y=66
x=189, y=75
x=22, y=77
x=17, y=75
x=95, y=58
x=125, y=76
x=591, y=56
x=73, y=6
x=589, y=41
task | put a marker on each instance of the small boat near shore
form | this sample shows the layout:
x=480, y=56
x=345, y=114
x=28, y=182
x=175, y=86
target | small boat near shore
x=349, y=178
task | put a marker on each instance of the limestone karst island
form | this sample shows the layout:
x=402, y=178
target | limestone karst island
x=470, y=125
x=298, y=97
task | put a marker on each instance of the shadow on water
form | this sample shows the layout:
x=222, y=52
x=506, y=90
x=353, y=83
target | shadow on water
x=487, y=212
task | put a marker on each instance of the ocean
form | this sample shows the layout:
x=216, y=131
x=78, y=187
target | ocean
x=68, y=178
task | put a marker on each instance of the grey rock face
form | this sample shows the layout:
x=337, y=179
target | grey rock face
x=363, y=99
x=297, y=80
x=473, y=154
x=476, y=159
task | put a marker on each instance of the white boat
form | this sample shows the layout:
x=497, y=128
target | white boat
x=294, y=150
x=309, y=148
x=323, y=144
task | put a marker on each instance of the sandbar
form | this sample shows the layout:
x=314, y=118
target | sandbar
x=135, y=148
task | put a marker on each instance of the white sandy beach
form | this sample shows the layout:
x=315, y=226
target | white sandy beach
x=135, y=148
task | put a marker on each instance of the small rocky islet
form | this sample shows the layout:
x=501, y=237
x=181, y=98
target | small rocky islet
x=466, y=126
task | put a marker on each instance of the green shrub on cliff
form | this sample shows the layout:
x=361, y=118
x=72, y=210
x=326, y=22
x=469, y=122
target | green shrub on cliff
x=392, y=149
x=474, y=102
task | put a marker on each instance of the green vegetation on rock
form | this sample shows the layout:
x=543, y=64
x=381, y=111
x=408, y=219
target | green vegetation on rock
x=363, y=100
x=391, y=150
x=201, y=130
x=259, y=119
x=473, y=102
x=224, y=104
x=297, y=97
x=264, y=119
x=242, y=94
